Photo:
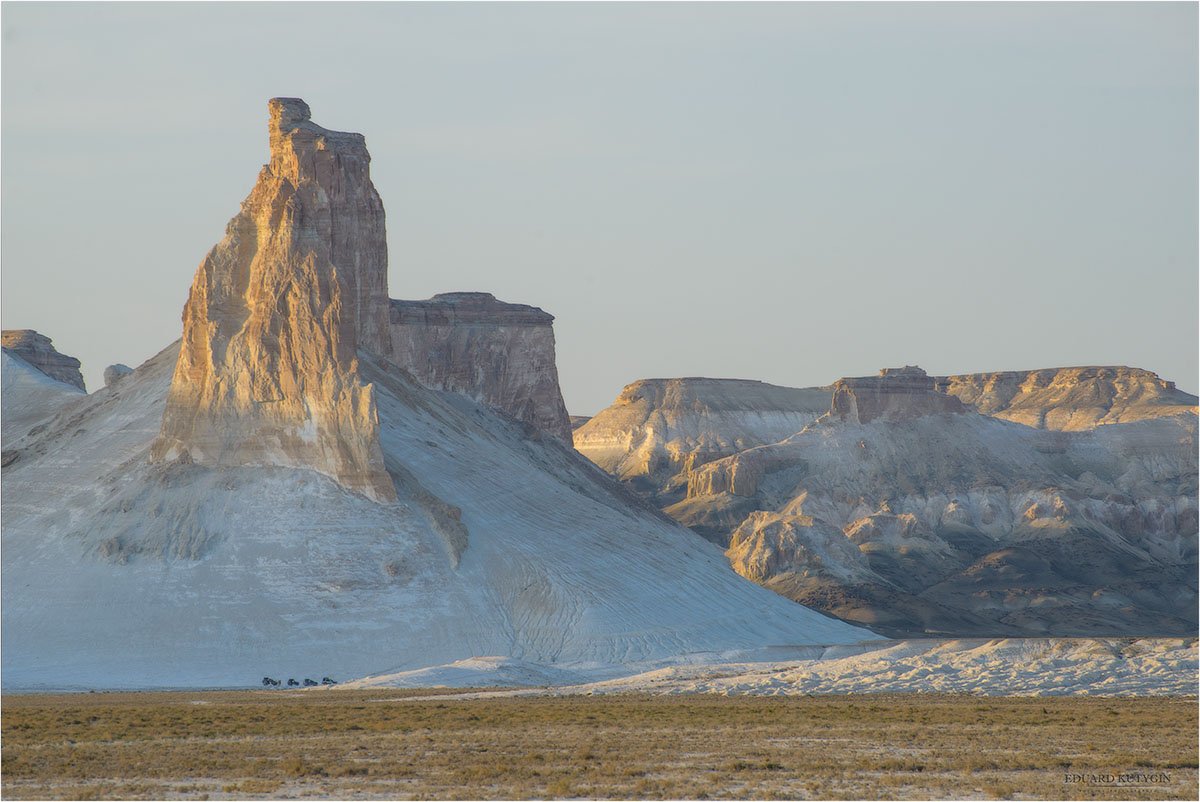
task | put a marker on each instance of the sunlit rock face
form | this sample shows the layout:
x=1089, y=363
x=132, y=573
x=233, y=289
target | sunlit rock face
x=497, y=353
x=268, y=369
x=658, y=432
x=38, y=350
x=1070, y=399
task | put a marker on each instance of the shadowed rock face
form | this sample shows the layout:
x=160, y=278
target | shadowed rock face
x=114, y=373
x=268, y=368
x=1070, y=399
x=895, y=394
x=497, y=353
x=38, y=350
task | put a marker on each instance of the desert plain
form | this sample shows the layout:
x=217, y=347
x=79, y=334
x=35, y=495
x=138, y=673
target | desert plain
x=434, y=744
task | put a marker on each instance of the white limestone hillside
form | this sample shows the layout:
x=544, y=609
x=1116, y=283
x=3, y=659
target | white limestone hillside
x=40, y=396
x=119, y=572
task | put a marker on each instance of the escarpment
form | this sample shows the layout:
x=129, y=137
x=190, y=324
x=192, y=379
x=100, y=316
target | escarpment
x=659, y=432
x=895, y=394
x=1070, y=399
x=268, y=367
x=38, y=350
x=497, y=353
x=962, y=523
x=910, y=504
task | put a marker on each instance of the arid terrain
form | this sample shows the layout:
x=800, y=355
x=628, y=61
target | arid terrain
x=413, y=744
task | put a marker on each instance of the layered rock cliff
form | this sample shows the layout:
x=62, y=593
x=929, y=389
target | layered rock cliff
x=1070, y=399
x=268, y=369
x=905, y=509
x=660, y=431
x=895, y=394
x=962, y=523
x=38, y=350
x=497, y=353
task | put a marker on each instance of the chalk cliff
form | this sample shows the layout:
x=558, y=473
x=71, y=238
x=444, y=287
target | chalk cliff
x=1070, y=399
x=497, y=353
x=901, y=507
x=38, y=350
x=268, y=369
x=658, y=432
x=962, y=523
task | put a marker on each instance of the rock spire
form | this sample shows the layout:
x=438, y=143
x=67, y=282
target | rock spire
x=278, y=310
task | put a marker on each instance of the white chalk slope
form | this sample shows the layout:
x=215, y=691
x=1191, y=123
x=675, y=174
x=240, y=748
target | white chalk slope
x=119, y=573
x=40, y=396
x=990, y=667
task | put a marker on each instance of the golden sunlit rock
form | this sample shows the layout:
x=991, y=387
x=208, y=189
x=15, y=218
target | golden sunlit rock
x=268, y=368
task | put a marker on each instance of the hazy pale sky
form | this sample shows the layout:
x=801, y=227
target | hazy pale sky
x=788, y=192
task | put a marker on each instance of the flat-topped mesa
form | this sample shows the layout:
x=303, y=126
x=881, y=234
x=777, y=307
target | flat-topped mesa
x=895, y=394
x=278, y=310
x=38, y=350
x=1070, y=399
x=498, y=353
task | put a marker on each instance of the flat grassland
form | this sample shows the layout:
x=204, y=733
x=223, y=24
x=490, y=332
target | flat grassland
x=398, y=745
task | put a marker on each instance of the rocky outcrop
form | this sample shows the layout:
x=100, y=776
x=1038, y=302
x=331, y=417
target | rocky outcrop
x=497, y=353
x=1070, y=399
x=268, y=367
x=895, y=394
x=38, y=350
x=907, y=510
x=965, y=524
x=114, y=373
x=770, y=544
x=660, y=432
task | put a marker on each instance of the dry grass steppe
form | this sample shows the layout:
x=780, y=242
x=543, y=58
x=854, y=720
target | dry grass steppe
x=411, y=744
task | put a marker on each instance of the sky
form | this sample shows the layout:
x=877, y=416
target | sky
x=784, y=192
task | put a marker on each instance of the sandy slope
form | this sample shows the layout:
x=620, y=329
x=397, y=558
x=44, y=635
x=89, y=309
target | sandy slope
x=993, y=667
x=118, y=572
